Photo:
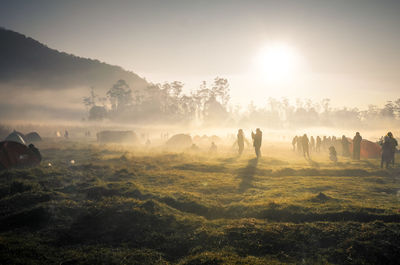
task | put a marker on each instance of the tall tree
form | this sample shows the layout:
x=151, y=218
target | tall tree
x=120, y=95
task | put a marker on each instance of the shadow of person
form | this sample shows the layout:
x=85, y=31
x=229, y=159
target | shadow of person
x=368, y=164
x=246, y=174
x=312, y=162
x=229, y=160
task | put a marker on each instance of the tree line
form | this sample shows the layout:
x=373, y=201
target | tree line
x=209, y=105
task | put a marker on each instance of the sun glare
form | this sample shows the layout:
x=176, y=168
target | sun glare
x=277, y=63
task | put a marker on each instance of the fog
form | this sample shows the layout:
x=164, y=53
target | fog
x=165, y=108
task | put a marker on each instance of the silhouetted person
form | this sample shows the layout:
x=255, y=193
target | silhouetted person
x=312, y=143
x=194, y=148
x=66, y=134
x=318, y=144
x=387, y=151
x=148, y=143
x=294, y=142
x=305, y=146
x=332, y=154
x=324, y=143
x=345, y=146
x=213, y=148
x=357, y=146
x=240, y=141
x=257, y=140
x=334, y=142
x=299, y=145
x=393, y=143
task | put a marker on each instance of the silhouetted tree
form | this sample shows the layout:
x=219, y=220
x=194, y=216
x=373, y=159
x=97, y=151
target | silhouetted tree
x=120, y=95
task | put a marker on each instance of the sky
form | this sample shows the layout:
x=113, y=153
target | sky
x=345, y=50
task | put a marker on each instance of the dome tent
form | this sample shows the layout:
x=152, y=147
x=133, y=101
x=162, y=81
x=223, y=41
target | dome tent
x=13, y=154
x=33, y=137
x=16, y=137
x=179, y=141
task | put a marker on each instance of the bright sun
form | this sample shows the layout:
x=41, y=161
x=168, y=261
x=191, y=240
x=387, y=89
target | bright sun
x=277, y=63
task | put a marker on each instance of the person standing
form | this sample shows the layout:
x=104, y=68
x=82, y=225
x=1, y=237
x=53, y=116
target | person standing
x=387, y=152
x=345, y=146
x=357, y=146
x=318, y=145
x=305, y=144
x=240, y=141
x=299, y=144
x=393, y=143
x=294, y=142
x=312, y=144
x=257, y=140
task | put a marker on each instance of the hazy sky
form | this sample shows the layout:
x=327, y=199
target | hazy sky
x=346, y=50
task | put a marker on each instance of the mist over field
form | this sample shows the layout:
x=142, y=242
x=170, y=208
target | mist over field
x=199, y=132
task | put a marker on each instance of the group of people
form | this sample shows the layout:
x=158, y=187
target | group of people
x=257, y=141
x=388, y=144
x=304, y=145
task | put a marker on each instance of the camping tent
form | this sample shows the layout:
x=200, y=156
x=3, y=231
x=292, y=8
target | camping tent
x=13, y=154
x=368, y=149
x=16, y=137
x=179, y=141
x=33, y=137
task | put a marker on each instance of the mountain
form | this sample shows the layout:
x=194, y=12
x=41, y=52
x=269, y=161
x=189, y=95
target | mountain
x=25, y=62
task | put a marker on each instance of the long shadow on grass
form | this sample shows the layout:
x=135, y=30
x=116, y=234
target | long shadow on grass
x=312, y=162
x=247, y=174
x=201, y=167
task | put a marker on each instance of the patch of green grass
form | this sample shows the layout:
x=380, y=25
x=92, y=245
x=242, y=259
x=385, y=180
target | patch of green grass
x=116, y=205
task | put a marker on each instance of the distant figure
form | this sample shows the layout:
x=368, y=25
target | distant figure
x=357, y=146
x=394, y=144
x=324, y=143
x=257, y=140
x=333, y=154
x=240, y=141
x=318, y=144
x=194, y=148
x=66, y=134
x=299, y=144
x=305, y=144
x=387, y=152
x=213, y=148
x=345, y=146
x=294, y=142
x=334, y=143
x=312, y=144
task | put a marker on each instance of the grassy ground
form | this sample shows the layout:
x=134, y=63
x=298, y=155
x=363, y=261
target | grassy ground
x=118, y=206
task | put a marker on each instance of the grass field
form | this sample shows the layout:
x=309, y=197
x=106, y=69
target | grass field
x=119, y=205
